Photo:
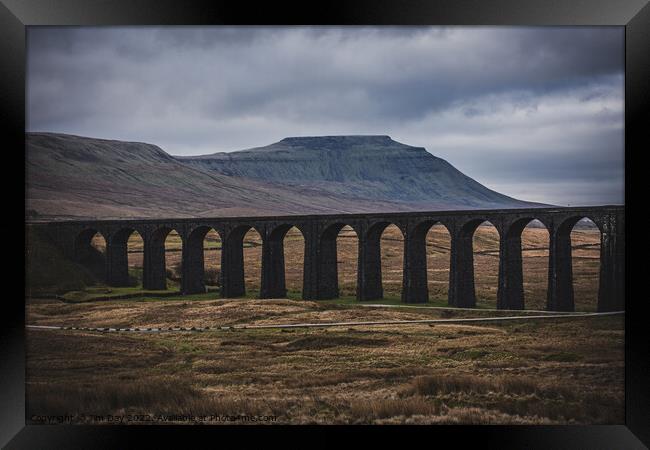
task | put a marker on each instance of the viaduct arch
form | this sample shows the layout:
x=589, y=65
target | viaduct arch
x=320, y=268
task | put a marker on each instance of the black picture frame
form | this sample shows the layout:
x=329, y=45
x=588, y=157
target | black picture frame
x=15, y=15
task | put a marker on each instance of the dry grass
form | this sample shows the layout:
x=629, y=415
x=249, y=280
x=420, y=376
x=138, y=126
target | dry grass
x=372, y=410
x=212, y=312
x=469, y=383
x=409, y=374
x=157, y=396
x=520, y=395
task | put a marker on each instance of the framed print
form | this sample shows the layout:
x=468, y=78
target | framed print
x=352, y=215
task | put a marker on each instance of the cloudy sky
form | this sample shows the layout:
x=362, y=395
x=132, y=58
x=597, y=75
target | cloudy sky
x=535, y=113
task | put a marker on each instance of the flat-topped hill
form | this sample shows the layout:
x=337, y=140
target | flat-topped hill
x=80, y=177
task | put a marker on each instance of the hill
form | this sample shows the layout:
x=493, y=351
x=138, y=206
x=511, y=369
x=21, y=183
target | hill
x=79, y=177
x=368, y=167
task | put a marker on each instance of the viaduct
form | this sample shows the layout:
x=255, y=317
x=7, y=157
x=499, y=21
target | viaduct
x=320, y=268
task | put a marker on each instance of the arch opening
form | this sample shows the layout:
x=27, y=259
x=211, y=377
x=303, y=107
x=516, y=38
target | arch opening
x=485, y=249
x=294, y=260
x=534, y=260
x=438, y=244
x=135, y=256
x=98, y=242
x=346, y=261
x=340, y=244
x=252, y=249
x=585, y=237
x=212, y=260
x=392, y=261
x=173, y=259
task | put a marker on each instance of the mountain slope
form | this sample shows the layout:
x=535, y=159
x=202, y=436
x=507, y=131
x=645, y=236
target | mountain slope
x=79, y=177
x=370, y=167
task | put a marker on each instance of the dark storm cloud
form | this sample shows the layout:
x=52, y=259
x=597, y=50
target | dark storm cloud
x=509, y=106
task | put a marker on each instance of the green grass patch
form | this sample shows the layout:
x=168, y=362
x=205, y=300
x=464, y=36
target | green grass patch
x=147, y=297
x=562, y=357
x=136, y=293
x=105, y=293
x=471, y=354
x=294, y=295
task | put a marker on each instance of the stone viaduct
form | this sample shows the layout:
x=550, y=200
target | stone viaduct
x=320, y=268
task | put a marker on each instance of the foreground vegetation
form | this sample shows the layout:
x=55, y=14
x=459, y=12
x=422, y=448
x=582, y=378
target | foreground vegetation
x=538, y=372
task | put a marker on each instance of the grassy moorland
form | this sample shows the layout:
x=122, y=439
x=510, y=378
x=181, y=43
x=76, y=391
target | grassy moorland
x=537, y=372
x=553, y=371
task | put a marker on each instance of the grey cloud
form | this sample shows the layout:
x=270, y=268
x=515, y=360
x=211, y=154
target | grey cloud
x=476, y=96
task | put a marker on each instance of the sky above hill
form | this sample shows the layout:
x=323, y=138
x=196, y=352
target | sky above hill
x=534, y=113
